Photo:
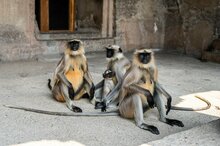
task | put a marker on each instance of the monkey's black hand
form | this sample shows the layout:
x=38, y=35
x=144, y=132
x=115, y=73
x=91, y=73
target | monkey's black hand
x=92, y=91
x=169, y=100
x=103, y=109
x=71, y=92
x=150, y=100
x=98, y=105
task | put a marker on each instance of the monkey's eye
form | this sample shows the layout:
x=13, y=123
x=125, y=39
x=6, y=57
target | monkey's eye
x=141, y=56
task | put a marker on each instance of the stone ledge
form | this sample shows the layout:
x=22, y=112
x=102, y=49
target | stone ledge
x=211, y=56
x=207, y=134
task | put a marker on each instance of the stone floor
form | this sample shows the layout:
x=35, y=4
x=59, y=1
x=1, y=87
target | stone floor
x=25, y=84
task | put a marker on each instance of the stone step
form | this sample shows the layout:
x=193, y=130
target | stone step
x=49, y=57
x=212, y=56
x=205, y=135
x=56, y=57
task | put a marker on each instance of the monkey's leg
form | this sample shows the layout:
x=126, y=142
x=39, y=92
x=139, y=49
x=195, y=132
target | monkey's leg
x=97, y=97
x=57, y=94
x=107, y=88
x=132, y=107
x=161, y=109
x=98, y=93
x=90, y=89
x=69, y=102
x=99, y=85
x=146, y=107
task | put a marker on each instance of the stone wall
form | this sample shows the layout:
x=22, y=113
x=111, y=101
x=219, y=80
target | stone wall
x=190, y=25
x=185, y=25
x=17, y=30
x=139, y=23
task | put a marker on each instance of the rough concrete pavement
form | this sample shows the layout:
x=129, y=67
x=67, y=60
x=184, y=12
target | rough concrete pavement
x=25, y=84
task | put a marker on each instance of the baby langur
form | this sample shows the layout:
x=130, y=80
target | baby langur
x=71, y=79
x=109, y=77
x=138, y=93
x=118, y=64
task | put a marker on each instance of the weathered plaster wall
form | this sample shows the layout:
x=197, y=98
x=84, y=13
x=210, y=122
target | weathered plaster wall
x=18, y=34
x=139, y=23
x=17, y=30
x=185, y=25
x=190, y=25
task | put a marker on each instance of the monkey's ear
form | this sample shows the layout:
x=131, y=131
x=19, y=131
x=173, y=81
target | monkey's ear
x=120, y=50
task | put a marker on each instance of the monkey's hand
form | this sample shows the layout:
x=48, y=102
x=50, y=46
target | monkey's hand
x=150, y=100
x=71, y=92
x=169, y=100
x=92, y=91
x=98, y=105
x=103, y=108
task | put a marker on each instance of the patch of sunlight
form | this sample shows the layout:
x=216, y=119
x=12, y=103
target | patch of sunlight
x=145, y=145
x=50, y=143
x=212, y=96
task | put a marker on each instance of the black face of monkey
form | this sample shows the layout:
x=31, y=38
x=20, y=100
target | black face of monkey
x=144, y=57
x=110, y=52
x=74, y=45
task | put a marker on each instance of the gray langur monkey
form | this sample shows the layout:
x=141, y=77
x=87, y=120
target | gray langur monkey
x=109, y=83
x=118, y=64
x=138, y=93
x=133, y=103
x=153, y=72
x=71, y=79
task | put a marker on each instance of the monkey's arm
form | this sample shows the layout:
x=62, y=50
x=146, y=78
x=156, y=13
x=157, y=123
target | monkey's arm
x=90, y=88
x=120, y=71
x=154, y=75
x=160, y=89
x=99, y=85
x=131, y=81
x=63, y=79
x=87, y=75
x=137, y=89
x=60, y=73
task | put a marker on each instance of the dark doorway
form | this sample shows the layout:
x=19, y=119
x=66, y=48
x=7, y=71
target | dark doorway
x=69, y=15
x=58, y=14
x=89, y=14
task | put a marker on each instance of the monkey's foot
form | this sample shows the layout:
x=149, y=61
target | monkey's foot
x=174, y=122
x=150, y=128
x=99, y=105
x=76, y=109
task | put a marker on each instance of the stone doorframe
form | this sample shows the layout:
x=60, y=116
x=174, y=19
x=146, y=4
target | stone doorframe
x=107, y=18
x=106, y=30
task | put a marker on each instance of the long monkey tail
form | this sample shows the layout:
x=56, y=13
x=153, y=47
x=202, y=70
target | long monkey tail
x=88, y=114
x=169, y=100
x=194, y=109
x=49, y=85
